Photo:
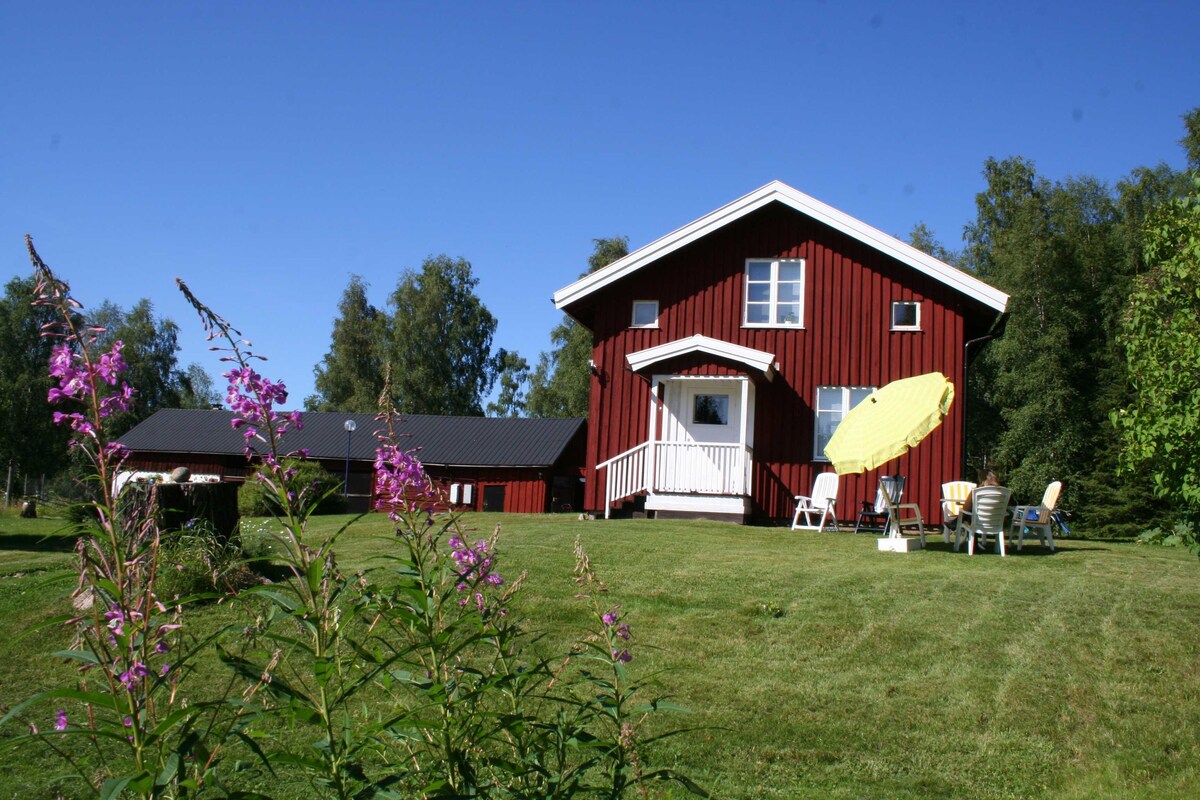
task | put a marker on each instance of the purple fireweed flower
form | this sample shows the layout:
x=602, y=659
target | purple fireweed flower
x=622, y=656
x=77, y=380
x=116, y=451
x=400, y=482
x=253, y=399
x=116, y=620
x=474, y=563
x=130, y=677
x=611, y=617
x=165, y=669
x=60, y=720
x=128, y=722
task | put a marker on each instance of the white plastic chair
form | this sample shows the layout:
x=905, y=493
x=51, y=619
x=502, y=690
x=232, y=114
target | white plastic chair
x=954, y=494
x=820, y=503
x=1037, y=517
x=985, y=518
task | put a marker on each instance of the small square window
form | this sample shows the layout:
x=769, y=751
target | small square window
x=906, y=316
x=711, y=409
x=645, y=314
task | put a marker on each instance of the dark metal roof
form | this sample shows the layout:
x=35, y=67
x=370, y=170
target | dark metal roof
x=441, y=441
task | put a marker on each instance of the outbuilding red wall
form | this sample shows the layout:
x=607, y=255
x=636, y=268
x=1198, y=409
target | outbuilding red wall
x=527, y=490
x=846, y=341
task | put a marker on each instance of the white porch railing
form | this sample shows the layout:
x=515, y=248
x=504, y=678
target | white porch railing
x=678, y=467
x=626, y=475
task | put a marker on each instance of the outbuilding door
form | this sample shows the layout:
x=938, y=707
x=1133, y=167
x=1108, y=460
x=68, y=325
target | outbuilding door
x=493, y=497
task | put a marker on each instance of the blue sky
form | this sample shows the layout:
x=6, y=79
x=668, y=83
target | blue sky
x=264, y=151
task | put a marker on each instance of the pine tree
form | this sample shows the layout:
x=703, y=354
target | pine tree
x=561, y=384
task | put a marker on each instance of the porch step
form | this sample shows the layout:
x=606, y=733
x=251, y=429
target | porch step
x=630, y=507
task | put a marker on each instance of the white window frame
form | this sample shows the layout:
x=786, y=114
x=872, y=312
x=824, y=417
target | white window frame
x=846, y=400
x=773, y=302
x=915, y=304
x=633, y=323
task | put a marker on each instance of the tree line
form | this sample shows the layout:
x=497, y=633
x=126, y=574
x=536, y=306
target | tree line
x=31, y=445
x=1076, y=386
x=1094, y=378
x=430, y=350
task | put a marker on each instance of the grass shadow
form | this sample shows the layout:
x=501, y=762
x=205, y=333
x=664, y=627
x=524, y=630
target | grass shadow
x=44, y=543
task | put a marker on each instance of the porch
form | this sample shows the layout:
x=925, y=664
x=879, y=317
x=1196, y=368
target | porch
x=710, y=479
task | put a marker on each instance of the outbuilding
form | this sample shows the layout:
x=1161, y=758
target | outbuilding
x=480, y=463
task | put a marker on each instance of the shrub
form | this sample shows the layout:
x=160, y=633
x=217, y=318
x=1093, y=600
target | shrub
x=198, y=561
x=1181, y=535
x=254, y=500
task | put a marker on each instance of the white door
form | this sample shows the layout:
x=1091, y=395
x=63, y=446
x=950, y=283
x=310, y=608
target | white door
x=701, y=447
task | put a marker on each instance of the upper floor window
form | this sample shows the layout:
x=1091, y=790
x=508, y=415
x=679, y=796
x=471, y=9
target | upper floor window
x=832, y=404
x=775, y=293
x=906, y=316
x=645, y=314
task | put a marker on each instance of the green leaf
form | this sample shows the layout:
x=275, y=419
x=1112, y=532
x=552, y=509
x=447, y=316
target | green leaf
x=169, y=771
x=113, y=787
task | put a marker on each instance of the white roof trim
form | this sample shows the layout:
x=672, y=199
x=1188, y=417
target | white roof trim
x=755, y=359
x=776, y=191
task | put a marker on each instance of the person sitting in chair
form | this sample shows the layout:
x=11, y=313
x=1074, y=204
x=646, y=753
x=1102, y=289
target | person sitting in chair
x=986, y=478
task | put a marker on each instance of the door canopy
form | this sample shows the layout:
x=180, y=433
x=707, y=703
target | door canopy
x=755, y=361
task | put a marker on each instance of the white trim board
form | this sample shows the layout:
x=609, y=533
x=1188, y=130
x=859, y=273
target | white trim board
x=776, y=191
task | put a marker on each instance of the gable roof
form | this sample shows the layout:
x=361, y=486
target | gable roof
x=777, y=192
x=697, y=343
x=442, y=441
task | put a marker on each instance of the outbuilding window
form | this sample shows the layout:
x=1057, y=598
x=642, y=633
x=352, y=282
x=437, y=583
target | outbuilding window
x=832, y=404
x=774, y=293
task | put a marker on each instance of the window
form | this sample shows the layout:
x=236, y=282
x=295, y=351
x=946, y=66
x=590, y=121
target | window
x=711, y=409
x=645, y=314
x=775, y=293
x=906, y=316
x=832, y=404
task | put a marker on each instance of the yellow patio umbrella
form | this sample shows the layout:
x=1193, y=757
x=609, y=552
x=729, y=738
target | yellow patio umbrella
x=889, y=421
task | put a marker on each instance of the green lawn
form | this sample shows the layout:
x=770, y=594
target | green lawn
x=930, y=674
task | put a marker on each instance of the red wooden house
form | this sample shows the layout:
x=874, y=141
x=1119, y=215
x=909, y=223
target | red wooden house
x=726, y=353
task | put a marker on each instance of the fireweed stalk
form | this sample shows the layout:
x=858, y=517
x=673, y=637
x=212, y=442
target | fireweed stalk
x=446, y=618
x=312, y=672
x=125, y=638
x=614, y=700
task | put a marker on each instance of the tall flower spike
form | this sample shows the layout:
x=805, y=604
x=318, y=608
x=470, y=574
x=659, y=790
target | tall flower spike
x=251, y=396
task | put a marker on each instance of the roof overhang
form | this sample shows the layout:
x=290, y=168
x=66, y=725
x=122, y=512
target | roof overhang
x=755, y=360
x=777, y=192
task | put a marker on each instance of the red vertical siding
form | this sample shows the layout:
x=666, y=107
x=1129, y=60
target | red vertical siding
x=526, y=491
x=846, y=341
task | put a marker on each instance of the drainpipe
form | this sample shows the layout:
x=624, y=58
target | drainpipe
x=995, y=332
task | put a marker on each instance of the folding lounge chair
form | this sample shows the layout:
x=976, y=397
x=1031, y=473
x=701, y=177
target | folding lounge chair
x=904, y=515
x=820, y=504
x=877, y=512
x=954, y=494
x=1038, y=518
